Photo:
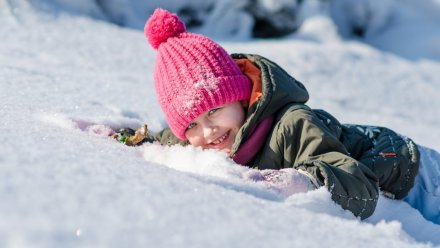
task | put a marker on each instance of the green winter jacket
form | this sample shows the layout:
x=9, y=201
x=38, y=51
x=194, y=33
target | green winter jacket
x=351, y=161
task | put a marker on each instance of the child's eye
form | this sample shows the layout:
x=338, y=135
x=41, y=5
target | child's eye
x=212, y=111
x=191, y=125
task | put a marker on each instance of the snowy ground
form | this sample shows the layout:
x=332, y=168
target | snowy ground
x=63, y=185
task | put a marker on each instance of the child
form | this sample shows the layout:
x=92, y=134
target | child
x=250, y=108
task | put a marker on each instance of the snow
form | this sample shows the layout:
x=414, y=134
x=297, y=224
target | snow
x=65, y=78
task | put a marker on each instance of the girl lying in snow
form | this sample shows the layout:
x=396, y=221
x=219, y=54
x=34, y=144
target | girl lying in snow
x=250, y=108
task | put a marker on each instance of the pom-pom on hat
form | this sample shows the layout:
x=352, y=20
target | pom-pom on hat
x=193, y=74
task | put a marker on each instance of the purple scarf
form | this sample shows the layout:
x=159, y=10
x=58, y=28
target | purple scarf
x=253, y=144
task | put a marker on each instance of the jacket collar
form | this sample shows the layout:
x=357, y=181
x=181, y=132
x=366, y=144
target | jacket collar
x=273, y=88
x=255, y=140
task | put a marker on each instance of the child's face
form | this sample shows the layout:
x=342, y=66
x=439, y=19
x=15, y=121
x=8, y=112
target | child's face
x=216, y=128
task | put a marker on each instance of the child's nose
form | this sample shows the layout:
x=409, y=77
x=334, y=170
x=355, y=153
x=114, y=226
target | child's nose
x=209, y=129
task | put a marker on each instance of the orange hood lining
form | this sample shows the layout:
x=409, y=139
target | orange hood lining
x=254, y=74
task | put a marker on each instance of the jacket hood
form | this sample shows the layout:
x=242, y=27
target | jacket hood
x=278, y=89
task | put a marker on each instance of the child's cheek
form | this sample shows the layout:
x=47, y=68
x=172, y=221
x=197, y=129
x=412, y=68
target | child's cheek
x=195, y=140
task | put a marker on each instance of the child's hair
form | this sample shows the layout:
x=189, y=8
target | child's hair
x=193, y=74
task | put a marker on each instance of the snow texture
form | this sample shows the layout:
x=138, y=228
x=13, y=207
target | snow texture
x=66, y=78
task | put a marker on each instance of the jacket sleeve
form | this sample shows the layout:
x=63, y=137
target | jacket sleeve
x=165, y=137
x=308, y=144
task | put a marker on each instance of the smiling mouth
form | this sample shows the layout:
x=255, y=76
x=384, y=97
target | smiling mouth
x=221, y=139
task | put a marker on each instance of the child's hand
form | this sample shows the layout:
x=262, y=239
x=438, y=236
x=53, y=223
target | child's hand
x=285, y=181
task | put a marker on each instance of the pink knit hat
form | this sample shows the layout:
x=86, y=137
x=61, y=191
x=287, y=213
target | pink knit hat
x=193, y=74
